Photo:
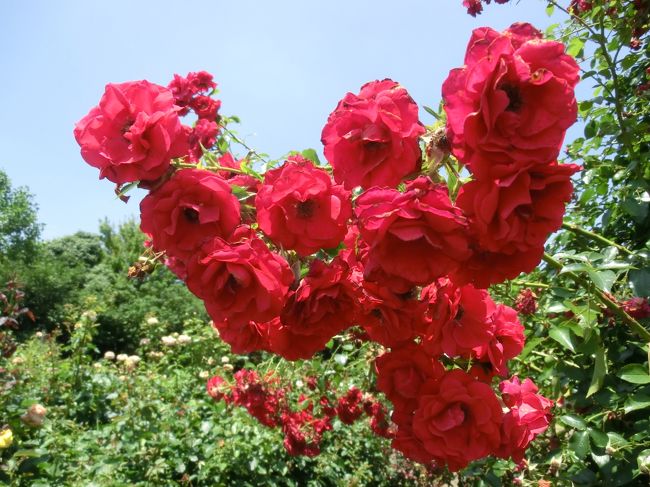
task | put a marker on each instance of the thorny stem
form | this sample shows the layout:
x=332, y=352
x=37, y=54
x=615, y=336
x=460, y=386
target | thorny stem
x=244, y=145
x=594, y=236
x=211, y=167
x=636, y=327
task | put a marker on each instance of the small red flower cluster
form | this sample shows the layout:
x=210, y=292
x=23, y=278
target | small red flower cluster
x=299, y=256
x=266, y=399
x=475, y=7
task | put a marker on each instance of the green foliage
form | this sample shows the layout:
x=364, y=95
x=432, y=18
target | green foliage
x=19, y=228
x=153, y=424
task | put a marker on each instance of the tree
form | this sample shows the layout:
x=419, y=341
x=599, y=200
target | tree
x=19, y=227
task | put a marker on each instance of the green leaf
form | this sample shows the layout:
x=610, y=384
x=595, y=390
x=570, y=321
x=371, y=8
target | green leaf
x=579, y=443
x=635, y=374
x=640, y=282
x=599, y=438
x=616, y=441
x=312, y=155
x=575, y=46
x=28, y=453
x=602, y=279
x=590, y=129
x=574, y=421
x=563, y=337
x=636, y=402
x=550, y=8
x=431, y=112
x=600, y=371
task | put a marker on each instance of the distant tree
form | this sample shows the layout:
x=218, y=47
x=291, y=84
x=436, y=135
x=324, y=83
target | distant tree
x=19, y=227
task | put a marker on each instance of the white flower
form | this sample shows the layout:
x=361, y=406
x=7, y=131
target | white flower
x=225, y=360
x=152, y=320
x=204, y=374
x=184, y=339
x=121, y=357
x=168, y=341
x=145, y=341
x=109, y=355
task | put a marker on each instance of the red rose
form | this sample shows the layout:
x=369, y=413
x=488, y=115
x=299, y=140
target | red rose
x=526, y=302
x=217, y=389
x=470, y=327
x=485, y=268
x=133, y=133
x=300, y=209
x=458, y=419
x=519, y=212
x=414, y=237
x=203, y=135
x=529, y=416
x=239, y=282
x=507, y=340
x=193, y=206
x=246, y=337
x=184, y=89
x=391, y=319
x=324, y=305
x=371, y=139
x=509, y=107
x=401, y=373
x=348, y=408
x=303, y=432
x=205, y=107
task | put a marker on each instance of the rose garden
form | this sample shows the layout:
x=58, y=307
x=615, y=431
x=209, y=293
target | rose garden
x=460, y=303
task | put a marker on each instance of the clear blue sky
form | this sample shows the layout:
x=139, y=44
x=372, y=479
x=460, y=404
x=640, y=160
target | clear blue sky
x=281, y=66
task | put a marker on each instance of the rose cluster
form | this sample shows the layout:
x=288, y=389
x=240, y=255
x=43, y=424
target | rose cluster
x=266, y=399
x=285, y=261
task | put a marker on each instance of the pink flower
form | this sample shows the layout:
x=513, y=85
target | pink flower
x=529, y=416
x=414, y=237
x=323, y=305
x=458, y=419
x=509, y=107
x=300, y=208
x=239, y=282
x=371, y=139
x=133, y=133
x=193, y=206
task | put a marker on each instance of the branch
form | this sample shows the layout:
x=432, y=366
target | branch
x=636, y=327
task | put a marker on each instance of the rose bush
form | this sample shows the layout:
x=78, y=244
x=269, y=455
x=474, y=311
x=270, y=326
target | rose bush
x=401, y=243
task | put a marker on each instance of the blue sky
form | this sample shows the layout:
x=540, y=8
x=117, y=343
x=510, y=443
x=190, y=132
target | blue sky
x=281, y=66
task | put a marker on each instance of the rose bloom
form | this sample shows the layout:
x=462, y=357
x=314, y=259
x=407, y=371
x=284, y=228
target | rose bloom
x=371, y=139
x=485, y=268
x=323, y=305
x=507, y=340
x=471, y=325
x=529, y=416
x=239, y=282
x=517, y=213
x=133, y=133
x=458, y=419
x=300, y=209
x=193, y=206
x=203, y=135
x=511, y=104
x=414, y=237
x=401, y=373
x=246, y=337
x=390, y=318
